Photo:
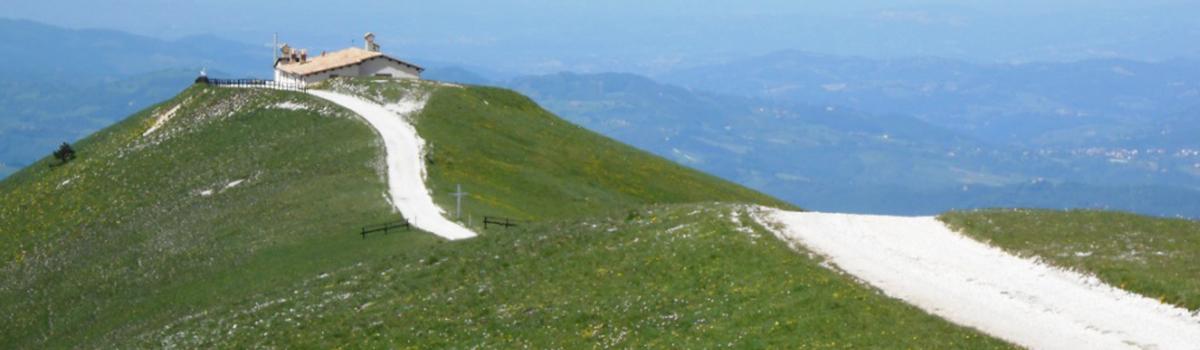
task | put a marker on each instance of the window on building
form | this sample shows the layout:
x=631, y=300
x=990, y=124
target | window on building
x=383, y=75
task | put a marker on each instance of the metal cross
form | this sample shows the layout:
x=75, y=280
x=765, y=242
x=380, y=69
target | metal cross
x=458, y=194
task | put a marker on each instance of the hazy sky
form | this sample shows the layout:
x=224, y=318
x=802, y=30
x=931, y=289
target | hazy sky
x=644, y=36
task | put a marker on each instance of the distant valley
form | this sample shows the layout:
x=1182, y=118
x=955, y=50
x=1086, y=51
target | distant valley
x=915, y=136
x=1084, y=103
x=58, y=85
x=838, y=159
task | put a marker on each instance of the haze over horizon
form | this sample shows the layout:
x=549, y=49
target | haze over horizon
x=537, y=36
x=912, y=107
x=923, y=174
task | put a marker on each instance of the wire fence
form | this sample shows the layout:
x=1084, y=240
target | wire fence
x=252, y=83
x=500, y=221
x=386, y=227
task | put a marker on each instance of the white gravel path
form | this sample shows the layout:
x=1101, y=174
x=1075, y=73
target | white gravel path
x=162, y=119
x=921, y=261
x=405, y=166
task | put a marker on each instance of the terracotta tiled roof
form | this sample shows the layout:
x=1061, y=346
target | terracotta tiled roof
x=335, y=60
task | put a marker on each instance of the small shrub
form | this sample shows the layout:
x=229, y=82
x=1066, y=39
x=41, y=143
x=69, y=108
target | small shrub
x=64, y=153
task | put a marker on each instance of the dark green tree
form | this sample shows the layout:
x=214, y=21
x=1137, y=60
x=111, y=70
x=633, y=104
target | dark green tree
x=64, y=153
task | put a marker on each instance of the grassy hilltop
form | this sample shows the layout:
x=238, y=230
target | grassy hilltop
x=518, y=160
x=234, y=224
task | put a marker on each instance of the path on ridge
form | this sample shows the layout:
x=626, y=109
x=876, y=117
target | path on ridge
x=405, y=166
x=921, y=261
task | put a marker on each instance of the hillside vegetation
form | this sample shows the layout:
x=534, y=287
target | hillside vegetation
x=229, y=218
x=140, y=228
x=1155, y=257
x=516, y=159
x=675, y=277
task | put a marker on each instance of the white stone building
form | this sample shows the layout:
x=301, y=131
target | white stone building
x=298, y=69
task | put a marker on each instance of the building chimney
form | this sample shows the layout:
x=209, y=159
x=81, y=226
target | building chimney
x=370, y=44
x=287, y=53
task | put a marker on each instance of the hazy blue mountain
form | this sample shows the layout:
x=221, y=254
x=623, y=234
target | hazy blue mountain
x=1093, y=103
x=838, y=159
x=43, y=52
x=645, y=37
x=454, y=74
x=915, y=136
x=35, y=116
x=1178, y=131
x=57, y=85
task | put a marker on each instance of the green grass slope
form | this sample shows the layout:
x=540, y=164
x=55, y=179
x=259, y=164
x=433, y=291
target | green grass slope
x=673, y=277
x=123, y=237
x=199, y=233
x=518, y=160
x=1155, y=257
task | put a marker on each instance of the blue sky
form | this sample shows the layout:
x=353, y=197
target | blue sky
x=644, y=36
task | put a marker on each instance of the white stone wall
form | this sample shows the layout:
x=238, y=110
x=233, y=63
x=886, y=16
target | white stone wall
x=288, y=78
x=381, y=65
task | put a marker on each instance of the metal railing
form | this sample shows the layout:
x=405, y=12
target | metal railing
x=252, y=83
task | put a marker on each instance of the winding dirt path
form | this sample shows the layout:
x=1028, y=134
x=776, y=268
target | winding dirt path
x=921, y=261
x=405, y=166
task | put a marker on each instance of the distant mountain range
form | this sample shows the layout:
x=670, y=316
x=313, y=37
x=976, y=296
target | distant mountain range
x=36, y=115
x=912, y=136
x=57, y=85
x=47, y=53
x=1094, y=103
x=838, y=159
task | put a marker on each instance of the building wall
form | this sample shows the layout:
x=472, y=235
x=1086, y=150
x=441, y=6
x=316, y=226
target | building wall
x=369, y=67
x=287, y=78
x=347, y=71
x=380, y=65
